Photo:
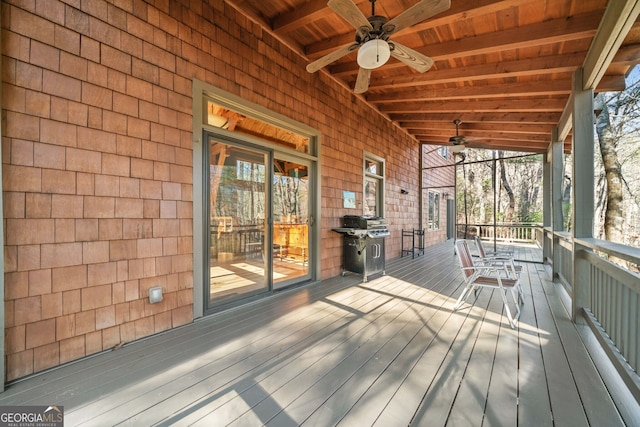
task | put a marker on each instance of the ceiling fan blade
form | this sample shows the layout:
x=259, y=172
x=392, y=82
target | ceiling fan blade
x=362, y=82
x=350, y=12
x=331, y=57
x=417, y=13
x=412, y=58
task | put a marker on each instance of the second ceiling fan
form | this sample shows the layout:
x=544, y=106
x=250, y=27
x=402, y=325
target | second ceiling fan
x=372, y=38
x=459, y=142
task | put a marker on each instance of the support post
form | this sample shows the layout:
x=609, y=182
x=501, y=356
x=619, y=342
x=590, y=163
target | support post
x=582, y=190
x=546, y=203
x=557, y=214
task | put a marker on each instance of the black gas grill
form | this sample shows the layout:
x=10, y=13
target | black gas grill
x=363, y=244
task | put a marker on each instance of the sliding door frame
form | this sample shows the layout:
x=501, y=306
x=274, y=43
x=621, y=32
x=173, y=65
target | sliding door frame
x=203, y=92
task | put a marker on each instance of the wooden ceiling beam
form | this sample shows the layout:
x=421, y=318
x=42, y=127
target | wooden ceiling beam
x=469, y=117
x=615, y=83
x=462, y=11
x=554, y=31
x=498, y=136
x=300, y=16
x=628, y=55
x=553, y=64
x=516, y=128
x=534, y=105
x=509, y=90
x=496, y=145
x=458, y=11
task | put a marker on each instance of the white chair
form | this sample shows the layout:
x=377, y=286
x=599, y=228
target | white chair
x=484, y=253
x=499, y=256
x=491, y=274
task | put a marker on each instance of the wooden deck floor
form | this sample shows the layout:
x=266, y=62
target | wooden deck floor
x=388, y=352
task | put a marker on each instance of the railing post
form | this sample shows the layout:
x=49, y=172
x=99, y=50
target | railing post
x=583, y=190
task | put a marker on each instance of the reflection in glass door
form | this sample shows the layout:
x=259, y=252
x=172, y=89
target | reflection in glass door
x=237, y=233
x=290, y=221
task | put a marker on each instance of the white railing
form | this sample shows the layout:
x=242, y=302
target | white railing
x=610, y=296
x=563, y=261
x=502, y=232
x=614, y=303
x=539, y=233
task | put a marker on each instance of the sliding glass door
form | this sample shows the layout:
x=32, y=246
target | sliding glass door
x=291, y=220
x=238, y=197
x=259, y=221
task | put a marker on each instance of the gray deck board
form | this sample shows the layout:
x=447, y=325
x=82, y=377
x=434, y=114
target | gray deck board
x=565, y=400
x=469, y=406
x=386, y=352
x=534, y=407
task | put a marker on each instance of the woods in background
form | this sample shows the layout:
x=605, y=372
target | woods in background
x=517, y=178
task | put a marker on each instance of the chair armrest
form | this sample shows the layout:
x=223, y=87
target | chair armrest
x=498, y=253
x=492, y=262
x=480, y=270
x=498, y=256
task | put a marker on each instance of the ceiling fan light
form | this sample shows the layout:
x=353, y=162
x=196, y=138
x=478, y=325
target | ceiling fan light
x=373, y=54
x=457, y=148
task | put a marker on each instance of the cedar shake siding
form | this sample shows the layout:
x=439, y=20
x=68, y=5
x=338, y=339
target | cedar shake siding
x=97, y=162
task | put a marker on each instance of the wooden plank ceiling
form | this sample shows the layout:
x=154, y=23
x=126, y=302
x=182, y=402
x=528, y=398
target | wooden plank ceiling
x=503, y=68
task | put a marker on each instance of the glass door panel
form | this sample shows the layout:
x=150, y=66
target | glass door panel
x=237, y=210
x=290, y=221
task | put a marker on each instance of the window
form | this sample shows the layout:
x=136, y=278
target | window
x=226, y=118
x=434, y=211
x=373, y=185
x=443, y=151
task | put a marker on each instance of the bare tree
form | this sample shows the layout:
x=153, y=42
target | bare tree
x=618, y=117
x=607, y=138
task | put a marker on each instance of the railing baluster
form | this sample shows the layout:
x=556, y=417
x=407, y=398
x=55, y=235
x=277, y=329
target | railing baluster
x=609, y=303
x=624, y=326
x=617, y=313
x=633, y=356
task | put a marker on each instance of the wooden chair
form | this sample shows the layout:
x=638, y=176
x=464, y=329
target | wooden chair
x=490, y=274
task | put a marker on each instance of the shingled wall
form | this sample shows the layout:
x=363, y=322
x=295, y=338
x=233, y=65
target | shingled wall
x=97, y=161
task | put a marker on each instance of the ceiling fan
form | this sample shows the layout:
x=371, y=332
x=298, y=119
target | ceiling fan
x=372, y=38
x=459, y=142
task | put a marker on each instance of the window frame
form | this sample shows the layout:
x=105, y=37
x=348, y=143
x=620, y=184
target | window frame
x=378, y=177
x=433, y=223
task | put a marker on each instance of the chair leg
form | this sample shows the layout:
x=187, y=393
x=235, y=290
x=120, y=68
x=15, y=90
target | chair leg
x=521, y=294
x=513, y=320
x=463, y=296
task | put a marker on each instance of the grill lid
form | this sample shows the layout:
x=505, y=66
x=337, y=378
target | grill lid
x=364, y=222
